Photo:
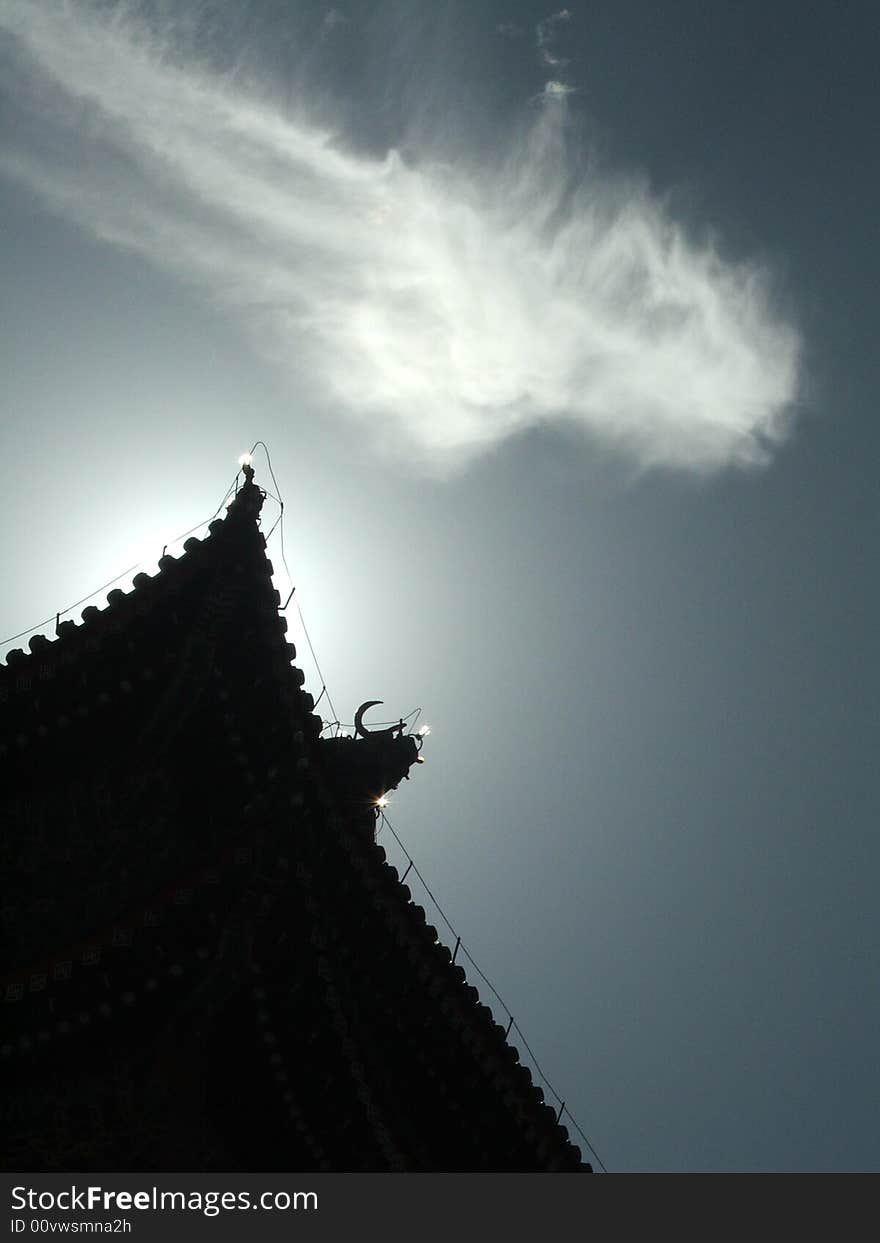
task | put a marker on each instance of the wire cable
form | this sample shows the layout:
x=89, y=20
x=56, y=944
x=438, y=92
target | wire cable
x=323, y=680
x=271, y=531
x=124, y=574
x=514, y=1025
x=261, y=444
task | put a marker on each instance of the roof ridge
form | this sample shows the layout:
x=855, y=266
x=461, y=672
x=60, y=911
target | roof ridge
x=246, y=504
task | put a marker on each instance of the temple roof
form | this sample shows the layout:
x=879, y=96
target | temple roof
x=183, y=693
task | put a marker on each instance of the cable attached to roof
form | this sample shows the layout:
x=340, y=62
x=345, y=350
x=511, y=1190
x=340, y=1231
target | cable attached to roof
x=279, y=523
x=124, y=574
x=563, y=1108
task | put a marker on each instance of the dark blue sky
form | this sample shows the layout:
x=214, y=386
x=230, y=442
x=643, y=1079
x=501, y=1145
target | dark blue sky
x=651, y=802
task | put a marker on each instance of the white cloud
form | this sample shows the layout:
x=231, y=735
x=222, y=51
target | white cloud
x=445, y=309
x=555, y=90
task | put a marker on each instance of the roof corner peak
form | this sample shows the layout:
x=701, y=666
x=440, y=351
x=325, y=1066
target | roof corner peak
x=248, y=499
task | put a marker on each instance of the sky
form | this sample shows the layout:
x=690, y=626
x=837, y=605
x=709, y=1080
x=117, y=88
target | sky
x=559, y=327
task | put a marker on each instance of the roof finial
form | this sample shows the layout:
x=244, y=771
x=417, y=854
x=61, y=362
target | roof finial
x=246, y=462
x=361, y=730
x=249, y=497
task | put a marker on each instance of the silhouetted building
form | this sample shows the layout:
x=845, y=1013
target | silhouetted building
x=207, y=962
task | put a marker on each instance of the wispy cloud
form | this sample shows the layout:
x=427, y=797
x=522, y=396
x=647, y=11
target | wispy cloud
x=444, y=308
x=545, y=36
